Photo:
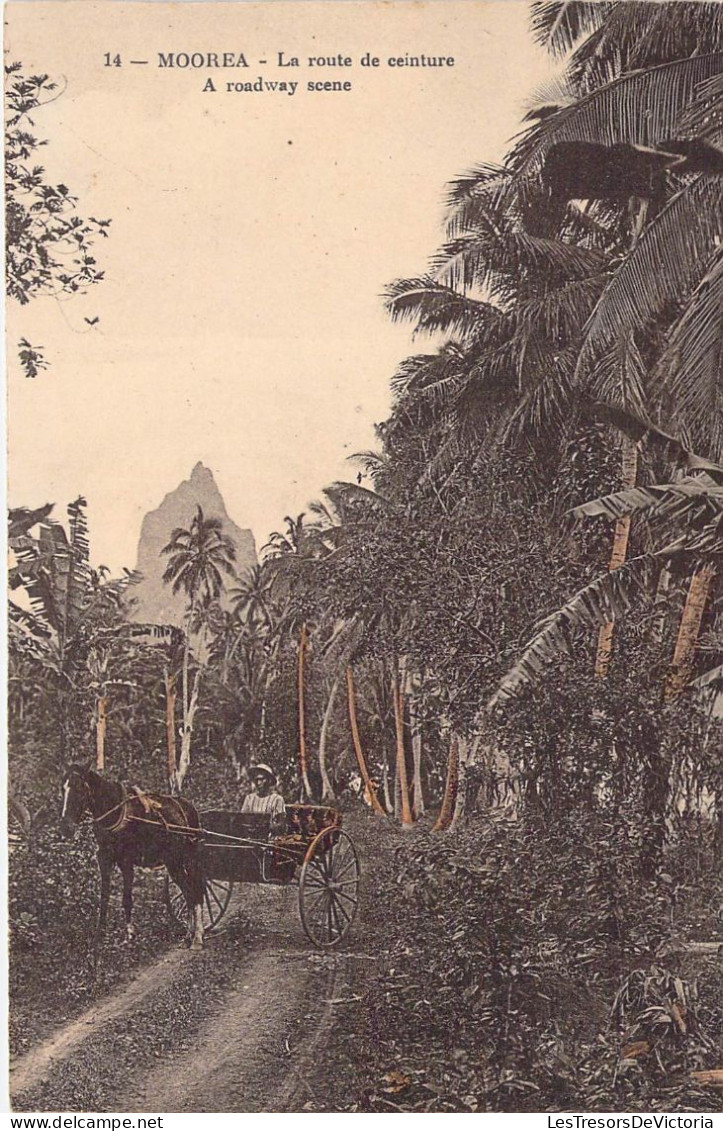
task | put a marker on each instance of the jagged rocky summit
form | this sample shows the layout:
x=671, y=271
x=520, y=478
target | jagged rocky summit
x=153, y=601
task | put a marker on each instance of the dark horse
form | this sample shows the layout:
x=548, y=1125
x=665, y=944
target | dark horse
x=135, y=829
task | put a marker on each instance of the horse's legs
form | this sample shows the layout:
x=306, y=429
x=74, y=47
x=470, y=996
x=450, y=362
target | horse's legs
x=190, y=882
x=178, y=874
x=105, y=864
x=196, y=928
x=194, y=879
x=126, y=868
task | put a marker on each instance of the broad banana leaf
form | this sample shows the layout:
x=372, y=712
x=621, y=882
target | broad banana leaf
x=598, y=603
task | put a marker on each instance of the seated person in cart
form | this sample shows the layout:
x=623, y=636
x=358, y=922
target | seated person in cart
x=264, y=797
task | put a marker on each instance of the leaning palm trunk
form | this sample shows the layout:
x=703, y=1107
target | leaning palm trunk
x=303, y=764
x=327, y=790
x=415, y=726
x=660, y=787
x=100, y=731
x=444, y=820
x=619, y=553
x=406, y=809
x=361, y=760
x=169, y=680
x=690, y=622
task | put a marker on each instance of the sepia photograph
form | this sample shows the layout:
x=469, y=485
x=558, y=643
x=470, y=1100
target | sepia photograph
x=364, y=632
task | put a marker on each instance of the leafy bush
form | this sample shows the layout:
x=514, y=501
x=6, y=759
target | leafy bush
x=512, y=942
x=53, y=893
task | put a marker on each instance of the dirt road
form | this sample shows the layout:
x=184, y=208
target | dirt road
x=236, y=1027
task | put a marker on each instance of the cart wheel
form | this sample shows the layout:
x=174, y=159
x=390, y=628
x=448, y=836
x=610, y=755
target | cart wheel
x=329, y=887
x=216, y=896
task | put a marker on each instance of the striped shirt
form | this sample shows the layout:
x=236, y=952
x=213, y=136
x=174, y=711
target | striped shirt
x=273, y=804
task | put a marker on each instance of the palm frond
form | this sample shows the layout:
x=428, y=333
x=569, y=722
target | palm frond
x=637, y=34
x=691, y=368
x=561, y=313
x=559, y=24
x=648, y=435
x=619, y=376
x=430, y=376
x=665, y=265
x=30, y=623
x=482, y=180
x=494, y=261
x=354, y=492
x=547, y=403
x=437, y=308
x=711, y=681
x=704, y=117
x=611, y=114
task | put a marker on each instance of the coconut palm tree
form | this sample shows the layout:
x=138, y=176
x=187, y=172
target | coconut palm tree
x=640, y=330
x=198, y=559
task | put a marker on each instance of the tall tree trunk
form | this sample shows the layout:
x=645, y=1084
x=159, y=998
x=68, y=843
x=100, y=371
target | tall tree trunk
x=268, y=681
x=327, y=790
x=388, y=801
x=660, y=606
x=303, y=764
x=100, y=731
x=415, y=726
x=460, y=805
x=407, y=817
x=690, y=622
x=444, y=820
x=397, y=790
x=189, y=700
x=186, y=734
x=361, y=760
x=169, y=679
x=619, y=553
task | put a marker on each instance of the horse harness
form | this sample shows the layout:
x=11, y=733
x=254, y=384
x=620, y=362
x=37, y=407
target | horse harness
x=151, y=807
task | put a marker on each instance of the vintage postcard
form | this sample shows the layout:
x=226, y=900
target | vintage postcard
x=365, y=486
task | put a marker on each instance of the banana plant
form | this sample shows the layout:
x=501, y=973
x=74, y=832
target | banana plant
x=685, y=519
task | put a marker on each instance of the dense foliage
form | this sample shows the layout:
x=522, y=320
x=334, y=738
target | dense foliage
x=48, y=245
x=451, y=629
x=529, y=971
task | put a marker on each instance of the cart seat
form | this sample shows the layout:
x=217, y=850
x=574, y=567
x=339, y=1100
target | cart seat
x=255, y=826
x=308, y=820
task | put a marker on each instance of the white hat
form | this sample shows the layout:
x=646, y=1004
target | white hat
x=261, y=767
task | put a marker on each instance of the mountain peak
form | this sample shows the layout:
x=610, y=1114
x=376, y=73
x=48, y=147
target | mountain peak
x=200, y=471
x=154, y=602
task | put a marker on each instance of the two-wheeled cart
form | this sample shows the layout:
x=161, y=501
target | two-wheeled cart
x=313, y=851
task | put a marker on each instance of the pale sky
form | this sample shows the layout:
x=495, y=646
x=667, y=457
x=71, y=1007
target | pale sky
x=252, y=234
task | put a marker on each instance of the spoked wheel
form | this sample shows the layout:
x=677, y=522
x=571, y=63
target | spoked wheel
x=216, y=896
x=329, y=887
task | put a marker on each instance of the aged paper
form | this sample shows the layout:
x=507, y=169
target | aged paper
x=209, y=204
x=267, y=169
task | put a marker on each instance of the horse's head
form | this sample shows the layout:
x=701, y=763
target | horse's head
x=76, y=798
